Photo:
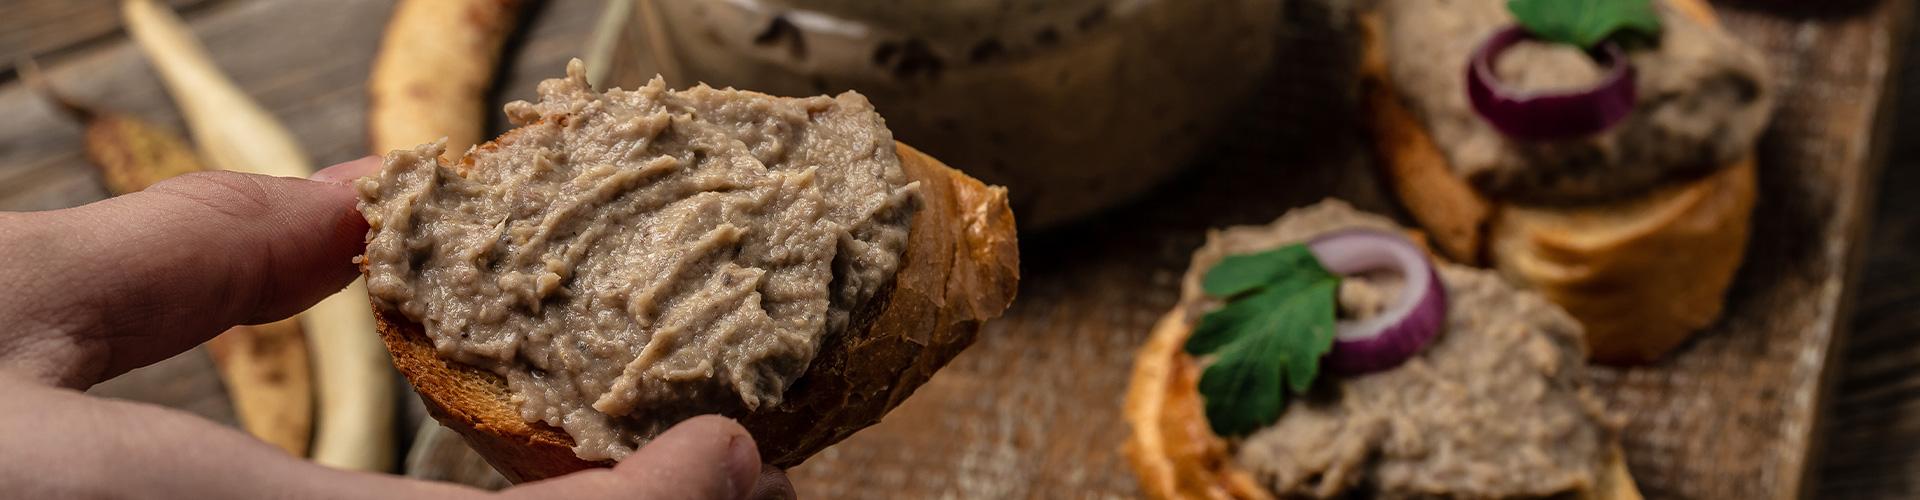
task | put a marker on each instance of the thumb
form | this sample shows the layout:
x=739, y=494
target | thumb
x=704, y=458
x=149, y=274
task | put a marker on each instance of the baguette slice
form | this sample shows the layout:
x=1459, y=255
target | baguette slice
x=961, y=269
x=1177, y=456
x=1640, y=274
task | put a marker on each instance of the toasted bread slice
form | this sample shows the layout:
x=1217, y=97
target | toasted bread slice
x=1641, y=274
x=1176, y=455
x=961, y=269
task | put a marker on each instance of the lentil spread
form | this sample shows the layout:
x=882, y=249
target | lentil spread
x=1703, y=99
x=627, y=260
x=1495, y=407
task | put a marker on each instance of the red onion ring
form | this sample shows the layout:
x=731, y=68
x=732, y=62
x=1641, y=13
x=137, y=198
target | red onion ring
x=1404, y=327
x=1546, y=116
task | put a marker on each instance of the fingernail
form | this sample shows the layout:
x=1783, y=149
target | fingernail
x=346, y=172
x=743, y=463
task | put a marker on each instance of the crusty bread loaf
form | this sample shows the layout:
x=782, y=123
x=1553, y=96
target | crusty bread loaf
x=1640, y=274
x=1176, y=455
x=961, y=268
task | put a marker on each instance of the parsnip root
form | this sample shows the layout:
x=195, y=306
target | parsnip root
x=435, y=65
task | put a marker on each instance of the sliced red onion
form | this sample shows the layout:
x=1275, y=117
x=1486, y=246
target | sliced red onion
x=1397, y=333
x=1546, y=116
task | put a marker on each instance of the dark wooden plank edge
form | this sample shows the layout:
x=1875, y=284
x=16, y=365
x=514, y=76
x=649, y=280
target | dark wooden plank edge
x=1861, y=211
x=9, y=62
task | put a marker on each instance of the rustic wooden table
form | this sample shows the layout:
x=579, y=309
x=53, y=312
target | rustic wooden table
x=1030, y=411
x=1873, y=431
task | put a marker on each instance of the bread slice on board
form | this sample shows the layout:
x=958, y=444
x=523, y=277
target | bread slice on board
x=961, y=269
x=1640, y=274
x=1176, y=455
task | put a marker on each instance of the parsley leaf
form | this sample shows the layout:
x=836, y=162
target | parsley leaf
x=1585, y=23
x=1269, y=337
x=1238, y=274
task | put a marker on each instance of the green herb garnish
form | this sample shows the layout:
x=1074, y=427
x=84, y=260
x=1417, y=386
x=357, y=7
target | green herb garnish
x=1268, y=338
x=1585, y=23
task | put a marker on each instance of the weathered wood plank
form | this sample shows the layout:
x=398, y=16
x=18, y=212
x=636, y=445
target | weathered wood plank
x=310, y=81
x=34, y=28
x=1872, y=446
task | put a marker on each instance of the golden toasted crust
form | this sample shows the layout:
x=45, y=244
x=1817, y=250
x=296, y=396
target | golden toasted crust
x=1173, y=451
x=1175, y=454
x=1451, y=211
x=1640, y=274
x=960, y=270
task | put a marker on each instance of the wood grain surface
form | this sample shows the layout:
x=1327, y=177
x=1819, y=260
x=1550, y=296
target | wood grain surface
x=1031, y=409
x=39, y=28
x=1028, y=412
x=1872, y=438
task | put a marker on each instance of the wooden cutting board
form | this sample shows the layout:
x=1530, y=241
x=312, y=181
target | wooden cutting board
x=1032, y=409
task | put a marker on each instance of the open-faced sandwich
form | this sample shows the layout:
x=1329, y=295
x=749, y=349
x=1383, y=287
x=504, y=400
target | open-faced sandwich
x=1326, y=355
x=625, y=260
x=1597, y=151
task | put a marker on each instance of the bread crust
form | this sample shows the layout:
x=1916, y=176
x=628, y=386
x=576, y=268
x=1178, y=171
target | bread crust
x=1640, y=274
x=1453, y=214
x=1175, y=454
x=961, y=269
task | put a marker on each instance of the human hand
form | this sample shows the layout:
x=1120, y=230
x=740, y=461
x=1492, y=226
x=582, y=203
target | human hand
x=111, y=286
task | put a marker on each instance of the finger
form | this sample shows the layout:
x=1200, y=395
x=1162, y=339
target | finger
x=127, y=281
x=348, y=171
x=704, y=458
x=773, y=485
x=63, y=444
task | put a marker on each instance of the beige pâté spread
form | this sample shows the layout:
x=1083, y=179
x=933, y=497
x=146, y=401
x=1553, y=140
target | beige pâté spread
x=1496, y=407
x=629, y=259
x=1703, y=99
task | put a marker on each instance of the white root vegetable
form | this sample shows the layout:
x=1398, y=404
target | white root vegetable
x=235, y=133
x=431, y=77
x=356, y=383
x=269, y=378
